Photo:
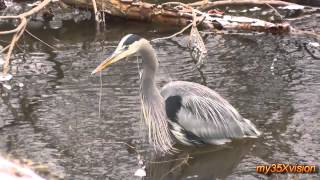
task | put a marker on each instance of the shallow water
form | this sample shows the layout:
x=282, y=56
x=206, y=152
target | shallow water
x=54, y=117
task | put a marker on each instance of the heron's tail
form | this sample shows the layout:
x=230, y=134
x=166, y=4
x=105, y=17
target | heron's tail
x=250, y=129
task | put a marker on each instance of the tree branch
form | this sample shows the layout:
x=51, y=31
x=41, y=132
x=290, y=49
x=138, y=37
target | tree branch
x=18, y=31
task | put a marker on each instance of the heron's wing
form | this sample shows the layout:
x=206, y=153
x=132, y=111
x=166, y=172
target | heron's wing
x=204, y=115
x=208, y=119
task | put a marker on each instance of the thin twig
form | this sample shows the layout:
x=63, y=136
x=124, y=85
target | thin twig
x=185, y=161
x=4, y=49
x=120, y=142
x=168, y=161
x=275, y=10
x=173, y=35
x=50, y=46
x=40, y=6
x=231, y=33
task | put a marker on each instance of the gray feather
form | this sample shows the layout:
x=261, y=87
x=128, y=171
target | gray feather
x=208, y=115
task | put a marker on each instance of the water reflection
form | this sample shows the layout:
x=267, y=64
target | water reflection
x=212, y=162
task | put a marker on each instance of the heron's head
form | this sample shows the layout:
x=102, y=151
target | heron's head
x=129, y=45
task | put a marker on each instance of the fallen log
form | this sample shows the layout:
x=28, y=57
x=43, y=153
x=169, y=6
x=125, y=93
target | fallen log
x=170, y=13
x=179, y=14
x=205, y=5
x=138, y=10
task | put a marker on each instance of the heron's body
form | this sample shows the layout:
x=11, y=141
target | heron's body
x=199, y=115
x=187, y=112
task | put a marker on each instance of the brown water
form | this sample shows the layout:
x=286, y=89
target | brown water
x=54, y=117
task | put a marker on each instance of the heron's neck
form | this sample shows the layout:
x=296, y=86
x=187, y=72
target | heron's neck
x=150, y=65
x=153, y=105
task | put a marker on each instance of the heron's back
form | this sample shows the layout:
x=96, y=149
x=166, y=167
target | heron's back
x=199, y=115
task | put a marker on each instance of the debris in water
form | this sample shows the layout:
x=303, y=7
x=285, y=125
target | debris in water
x=263, y=13
x=140, y=162
x=8, y=3
x=292, y=7
x=313, y=48
x=141, y=172
x=196, y=44
x=55, y=24
x=7, y=86
x=1, y=60
x=6, y=77
x=272, y=65
x=192, y=177
x=314, y=44
x=20, y=85
x=232, y=11
x=254, y=9
x=34, y=4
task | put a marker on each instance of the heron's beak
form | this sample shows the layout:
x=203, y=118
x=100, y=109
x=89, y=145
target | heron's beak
x=116, y=56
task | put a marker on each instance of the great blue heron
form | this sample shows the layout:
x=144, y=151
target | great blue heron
x=184, y=111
